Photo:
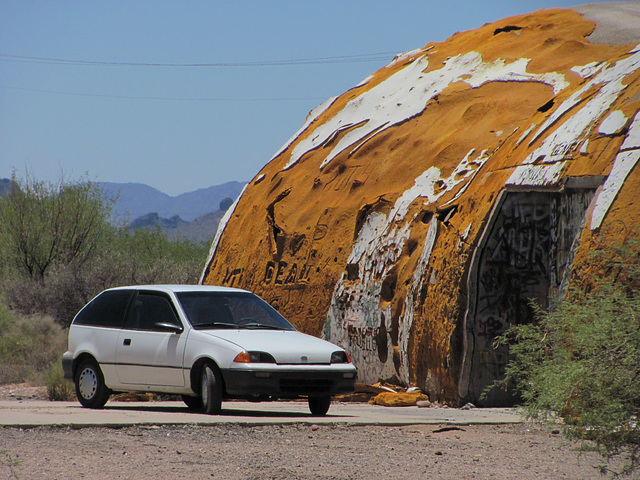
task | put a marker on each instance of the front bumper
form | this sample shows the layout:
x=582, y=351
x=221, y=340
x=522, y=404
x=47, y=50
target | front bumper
x=289, y=383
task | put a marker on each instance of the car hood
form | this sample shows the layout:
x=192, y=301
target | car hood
x=286, y=346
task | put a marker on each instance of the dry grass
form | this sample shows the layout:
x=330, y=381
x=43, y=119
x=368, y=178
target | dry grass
x=29, y=347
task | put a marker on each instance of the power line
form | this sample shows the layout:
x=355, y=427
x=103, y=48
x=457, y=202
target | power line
x=185, y=99
x=369, y=57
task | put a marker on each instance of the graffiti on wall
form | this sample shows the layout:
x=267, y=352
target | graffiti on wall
x=527, y=251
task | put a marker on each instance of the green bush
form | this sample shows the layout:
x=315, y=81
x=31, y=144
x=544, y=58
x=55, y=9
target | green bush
x=581, y=361
x=58, y=388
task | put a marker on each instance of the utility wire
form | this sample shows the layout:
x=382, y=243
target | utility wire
x=369, y=57
x=187, y=99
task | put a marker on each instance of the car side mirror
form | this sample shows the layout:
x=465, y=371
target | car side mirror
x=168, y=327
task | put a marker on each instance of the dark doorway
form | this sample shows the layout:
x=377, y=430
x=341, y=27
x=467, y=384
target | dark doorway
x=523, y=256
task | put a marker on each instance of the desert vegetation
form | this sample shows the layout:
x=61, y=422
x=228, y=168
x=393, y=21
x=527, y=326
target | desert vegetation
x=580, y=362
x=58, y=249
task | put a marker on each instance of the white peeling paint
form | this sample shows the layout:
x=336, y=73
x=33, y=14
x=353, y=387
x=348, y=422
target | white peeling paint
x=632, y=140
x=464, y=235
x=405, y=94
x=365, y=81
x=526, y=133
x=584, y=147
x=500, y=71
x=613, y=124
x=313, y=114
x=356, y=305
x=425, y=184
x=463, y=169
x=412, y=298
x=401, y=57
x=611, y=82
x=588, y=70
x=221, y=226
x=536, y=175
x=622, y=165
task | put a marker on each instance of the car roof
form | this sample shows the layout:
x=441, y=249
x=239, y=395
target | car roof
x=180, y=288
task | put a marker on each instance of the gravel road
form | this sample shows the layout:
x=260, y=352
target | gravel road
x=296, y=451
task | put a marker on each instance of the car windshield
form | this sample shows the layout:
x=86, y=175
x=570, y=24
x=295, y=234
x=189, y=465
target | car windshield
x=206, y=310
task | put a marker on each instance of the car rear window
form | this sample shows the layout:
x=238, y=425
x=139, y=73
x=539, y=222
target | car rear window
x=106, y=310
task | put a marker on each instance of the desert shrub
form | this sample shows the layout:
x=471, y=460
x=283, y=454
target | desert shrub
x=581, y=361
x=29, y=345
x=58, y=388
x=57, y=250
x=142, y=257
x=44, y=224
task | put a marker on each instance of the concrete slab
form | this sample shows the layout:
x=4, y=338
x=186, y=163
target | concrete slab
x=30, y=413
x=616, y=22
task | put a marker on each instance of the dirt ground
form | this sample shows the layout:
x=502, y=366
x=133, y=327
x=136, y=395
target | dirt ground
x=293, y=452
x=340, y=451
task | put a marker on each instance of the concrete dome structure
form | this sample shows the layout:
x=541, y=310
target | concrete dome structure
x=411, y=219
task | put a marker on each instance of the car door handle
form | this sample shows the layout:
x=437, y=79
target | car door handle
x=127, y=341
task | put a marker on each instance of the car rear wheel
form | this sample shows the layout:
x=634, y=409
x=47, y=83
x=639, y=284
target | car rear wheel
x=211, y=390
x=90, y=387
x=319, y=405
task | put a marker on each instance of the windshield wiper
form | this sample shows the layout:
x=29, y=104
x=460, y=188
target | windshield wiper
x=215, y=325
x=255, y=325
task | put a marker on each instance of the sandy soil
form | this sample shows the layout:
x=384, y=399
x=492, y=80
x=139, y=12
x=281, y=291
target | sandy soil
x=293, y=452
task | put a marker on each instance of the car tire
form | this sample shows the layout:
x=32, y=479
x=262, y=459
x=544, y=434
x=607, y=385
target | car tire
x=211, y=390
x=90, y=388
x=193, y=403
x=319, y=405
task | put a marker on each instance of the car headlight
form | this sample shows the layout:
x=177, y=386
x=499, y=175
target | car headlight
x=340, y=357
x=254, y=357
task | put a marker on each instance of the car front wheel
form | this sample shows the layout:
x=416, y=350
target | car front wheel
x=211, y=390
x=319, y=405
x=193, y=403
x=90, y=387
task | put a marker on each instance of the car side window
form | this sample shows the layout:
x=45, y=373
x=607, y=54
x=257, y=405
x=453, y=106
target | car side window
x=106, y=310
x=149, y=309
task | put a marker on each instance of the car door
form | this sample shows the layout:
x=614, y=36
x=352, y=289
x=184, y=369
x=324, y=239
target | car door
x=148, y=353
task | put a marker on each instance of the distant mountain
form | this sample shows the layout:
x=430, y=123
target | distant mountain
x=136, y=200
x=193, y=215
x=151, y=220
x=201, y=229
x=5, y=185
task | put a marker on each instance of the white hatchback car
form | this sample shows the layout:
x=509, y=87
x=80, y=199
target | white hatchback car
x=205, y=343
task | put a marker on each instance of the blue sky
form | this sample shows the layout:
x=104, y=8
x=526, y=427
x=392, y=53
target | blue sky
x=112, y=116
